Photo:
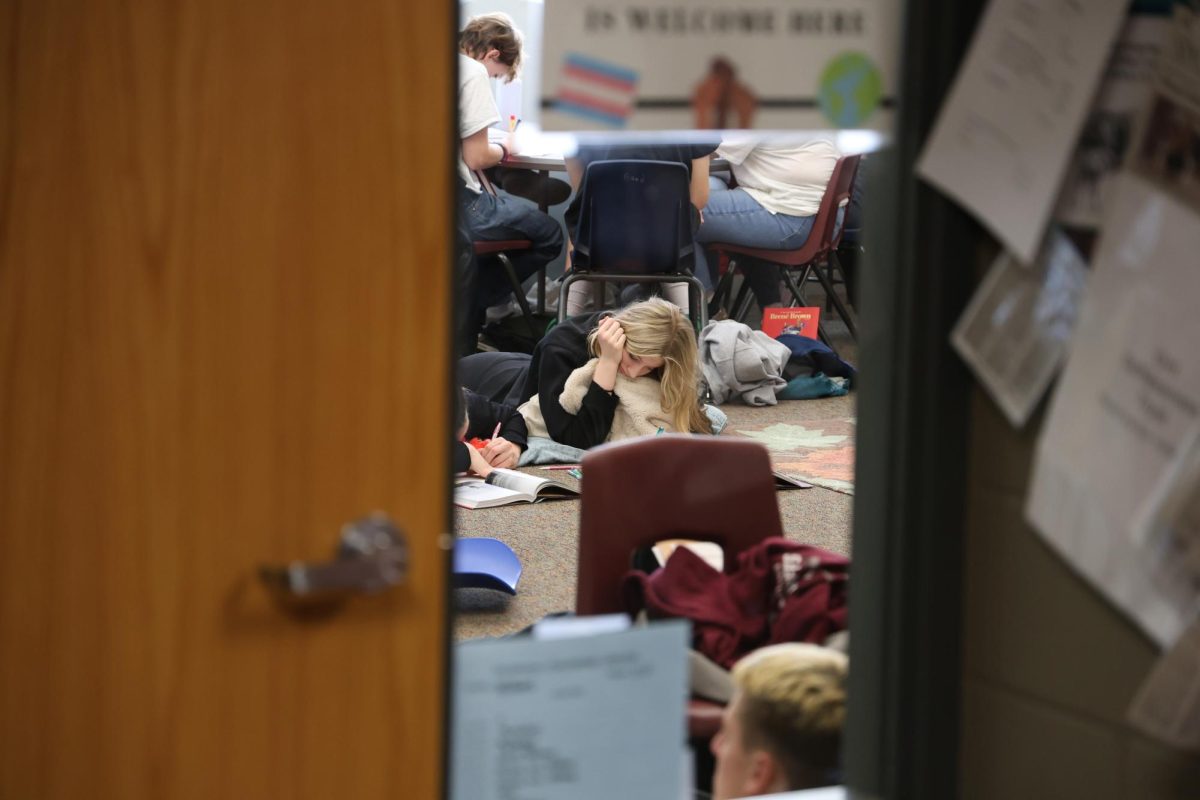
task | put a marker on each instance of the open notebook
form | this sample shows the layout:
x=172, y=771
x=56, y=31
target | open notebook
x=505, y=486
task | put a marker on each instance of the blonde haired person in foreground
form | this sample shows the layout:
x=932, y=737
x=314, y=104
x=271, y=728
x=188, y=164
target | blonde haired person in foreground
x=587, y=373
x=782, y=729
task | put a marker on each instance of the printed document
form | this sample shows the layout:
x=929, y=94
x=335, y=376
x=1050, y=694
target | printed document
x=1126, y=401
x=1005, y=135
x=589, y=718
x=1124, y=95
x=1166, y=149
x=1167, y=527
x=1015, y=331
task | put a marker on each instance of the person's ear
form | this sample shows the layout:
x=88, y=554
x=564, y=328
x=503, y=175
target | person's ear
x=760, y=778
x=492, y=54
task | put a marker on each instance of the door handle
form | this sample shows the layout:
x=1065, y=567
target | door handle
x=371, y=556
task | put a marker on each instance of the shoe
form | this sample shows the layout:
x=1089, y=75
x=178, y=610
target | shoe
x=553, y=292
x=502, y=311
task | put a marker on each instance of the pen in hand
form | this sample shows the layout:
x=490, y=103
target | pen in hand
x=496, y=432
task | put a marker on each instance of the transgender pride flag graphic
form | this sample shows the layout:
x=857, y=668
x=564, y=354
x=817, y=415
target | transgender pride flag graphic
x=596, y=90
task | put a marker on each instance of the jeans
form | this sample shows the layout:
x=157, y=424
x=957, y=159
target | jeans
x=734, y=217
x=484, y=217
x=495, y=218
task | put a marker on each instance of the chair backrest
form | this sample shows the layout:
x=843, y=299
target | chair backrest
x=639, y=491
x=837, y=195
x=634, y=217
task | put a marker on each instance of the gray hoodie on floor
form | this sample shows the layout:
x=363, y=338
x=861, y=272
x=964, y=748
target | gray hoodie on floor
x=739, y=362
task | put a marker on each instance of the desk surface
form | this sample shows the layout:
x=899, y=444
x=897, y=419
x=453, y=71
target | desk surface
x=549, y=151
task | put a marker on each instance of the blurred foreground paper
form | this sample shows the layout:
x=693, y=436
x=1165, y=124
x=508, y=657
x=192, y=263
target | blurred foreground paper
x=1167, y=527
x=1015, y=330
x=1125, y=402
x=588, y=718
x=1167, y=706
x=1005, y=134
x=1166, y=150
x=1124, y=96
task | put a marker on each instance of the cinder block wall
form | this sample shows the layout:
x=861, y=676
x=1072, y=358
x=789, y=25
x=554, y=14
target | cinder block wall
x=1049, y=668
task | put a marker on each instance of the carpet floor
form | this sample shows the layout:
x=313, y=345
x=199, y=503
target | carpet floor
x=545, y=536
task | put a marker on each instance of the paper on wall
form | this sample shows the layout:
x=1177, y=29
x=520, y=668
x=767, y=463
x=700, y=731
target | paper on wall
x=1167, y=706
x=1167, y=527
x=1016, y=328
x=1124, y=95
x=1006, y=132
x=1127, y=398
x=551, y=718
x=1166, y=149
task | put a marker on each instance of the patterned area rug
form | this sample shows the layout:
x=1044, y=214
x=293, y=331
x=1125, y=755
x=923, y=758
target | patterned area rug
x=818, y=451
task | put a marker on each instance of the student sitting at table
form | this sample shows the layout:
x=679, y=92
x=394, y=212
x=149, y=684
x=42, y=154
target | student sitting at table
x=490, y=47
x=575, y=372
x=694, y=156
x=780, y=186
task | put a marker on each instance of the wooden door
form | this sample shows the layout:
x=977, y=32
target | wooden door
x=224, y=332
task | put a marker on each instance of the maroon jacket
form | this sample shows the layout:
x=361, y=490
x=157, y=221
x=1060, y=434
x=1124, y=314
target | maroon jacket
x=779, y=591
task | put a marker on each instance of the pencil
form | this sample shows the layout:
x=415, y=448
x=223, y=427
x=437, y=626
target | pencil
x=512, y=122
x=496, y=432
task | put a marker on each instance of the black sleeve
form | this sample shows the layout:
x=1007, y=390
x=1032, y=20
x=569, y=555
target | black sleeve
x=591, y=425
x=484, y=415
x=515, y=430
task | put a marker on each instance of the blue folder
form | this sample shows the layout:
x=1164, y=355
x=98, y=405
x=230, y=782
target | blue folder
x=485, y=564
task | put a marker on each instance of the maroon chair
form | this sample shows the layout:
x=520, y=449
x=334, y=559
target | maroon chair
x=500, y=249
x=820, y=249
x=639, y=491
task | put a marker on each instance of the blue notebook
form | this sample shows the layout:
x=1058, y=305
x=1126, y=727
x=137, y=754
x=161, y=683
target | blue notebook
x=485, y=564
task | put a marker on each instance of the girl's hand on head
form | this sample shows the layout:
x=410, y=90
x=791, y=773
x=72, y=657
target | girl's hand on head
x=502, y=453
x=612, y=340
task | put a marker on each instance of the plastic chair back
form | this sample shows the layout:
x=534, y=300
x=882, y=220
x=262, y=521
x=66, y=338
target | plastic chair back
x=635, y=217
x=837, y=195
x=639, y=491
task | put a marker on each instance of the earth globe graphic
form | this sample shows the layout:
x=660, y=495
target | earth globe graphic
x=850, y=89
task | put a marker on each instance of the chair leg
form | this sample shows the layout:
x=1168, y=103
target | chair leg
x=723, y=291
x=698, y=308
x=519, y=293
x=541, y=290
x=565, y=291
x=793, y=287
x=843, y=312
x=741, y=308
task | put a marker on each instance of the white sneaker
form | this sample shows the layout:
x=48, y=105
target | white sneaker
x=553, y=291
x=502, y=311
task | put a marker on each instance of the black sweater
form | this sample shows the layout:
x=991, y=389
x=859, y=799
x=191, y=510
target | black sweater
x=482, y=418
x=556, y=356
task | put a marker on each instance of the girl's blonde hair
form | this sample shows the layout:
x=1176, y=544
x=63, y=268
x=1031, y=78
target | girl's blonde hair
x=657, y=328
x=493, y=32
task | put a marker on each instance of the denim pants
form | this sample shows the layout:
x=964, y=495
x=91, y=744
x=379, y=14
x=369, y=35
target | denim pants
x=734, y=217
x=495, y=218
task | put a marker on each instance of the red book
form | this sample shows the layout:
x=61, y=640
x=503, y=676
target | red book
x=801, y=321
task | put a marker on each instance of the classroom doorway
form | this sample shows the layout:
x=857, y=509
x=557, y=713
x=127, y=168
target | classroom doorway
x=622, y=84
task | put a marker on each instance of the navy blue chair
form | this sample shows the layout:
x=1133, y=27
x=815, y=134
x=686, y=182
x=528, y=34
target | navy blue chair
x=635, y=226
